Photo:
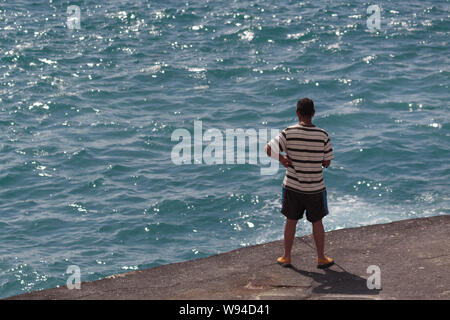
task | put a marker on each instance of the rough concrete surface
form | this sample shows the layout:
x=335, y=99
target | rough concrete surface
x=413, y=257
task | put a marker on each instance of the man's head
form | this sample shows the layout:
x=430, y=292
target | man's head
x=305, y=108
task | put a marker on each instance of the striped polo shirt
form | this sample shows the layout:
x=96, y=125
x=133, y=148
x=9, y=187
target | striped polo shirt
x=307, y=147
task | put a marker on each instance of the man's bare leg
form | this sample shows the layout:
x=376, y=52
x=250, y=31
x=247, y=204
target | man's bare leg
x=319, y=238
x=289, y=235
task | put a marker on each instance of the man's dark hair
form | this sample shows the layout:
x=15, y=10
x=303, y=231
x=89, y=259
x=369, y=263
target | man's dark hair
x=305, y=107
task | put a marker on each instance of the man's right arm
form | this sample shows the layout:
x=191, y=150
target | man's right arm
x=328, y=152
x=285, y=161
x=268, y=150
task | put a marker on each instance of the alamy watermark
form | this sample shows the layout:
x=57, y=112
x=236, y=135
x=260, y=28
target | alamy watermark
x=74, y=17
x=74, y=280
x=374, y=280
x=374, y=20
x=234, y=146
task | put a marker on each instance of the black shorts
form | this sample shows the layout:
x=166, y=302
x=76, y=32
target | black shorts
x=295, y=204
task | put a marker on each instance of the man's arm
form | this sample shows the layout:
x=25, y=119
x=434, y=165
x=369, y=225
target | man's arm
x=285, y=161
x=328, y=152
x=268, y=150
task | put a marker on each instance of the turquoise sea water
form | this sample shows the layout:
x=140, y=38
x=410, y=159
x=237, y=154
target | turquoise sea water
x=86, y=118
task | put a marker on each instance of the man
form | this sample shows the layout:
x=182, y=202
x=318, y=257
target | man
x=307, y=149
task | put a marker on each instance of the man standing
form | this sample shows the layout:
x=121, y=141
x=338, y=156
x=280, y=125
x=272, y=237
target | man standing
x=307, y=149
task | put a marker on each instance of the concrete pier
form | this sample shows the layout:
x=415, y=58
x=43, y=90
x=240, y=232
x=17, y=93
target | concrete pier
x=413, y=257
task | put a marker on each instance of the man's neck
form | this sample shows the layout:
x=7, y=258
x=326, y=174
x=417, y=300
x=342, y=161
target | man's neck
x=306, y=123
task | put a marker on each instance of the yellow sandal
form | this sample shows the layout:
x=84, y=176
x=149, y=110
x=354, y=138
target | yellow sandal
x=284, y=262
x=324, y=263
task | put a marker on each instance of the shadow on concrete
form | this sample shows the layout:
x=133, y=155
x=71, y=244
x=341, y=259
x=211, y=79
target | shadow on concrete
x=338, y=282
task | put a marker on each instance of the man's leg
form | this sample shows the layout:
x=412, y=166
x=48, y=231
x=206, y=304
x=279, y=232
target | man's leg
x=289, y=235
x=319, y=238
